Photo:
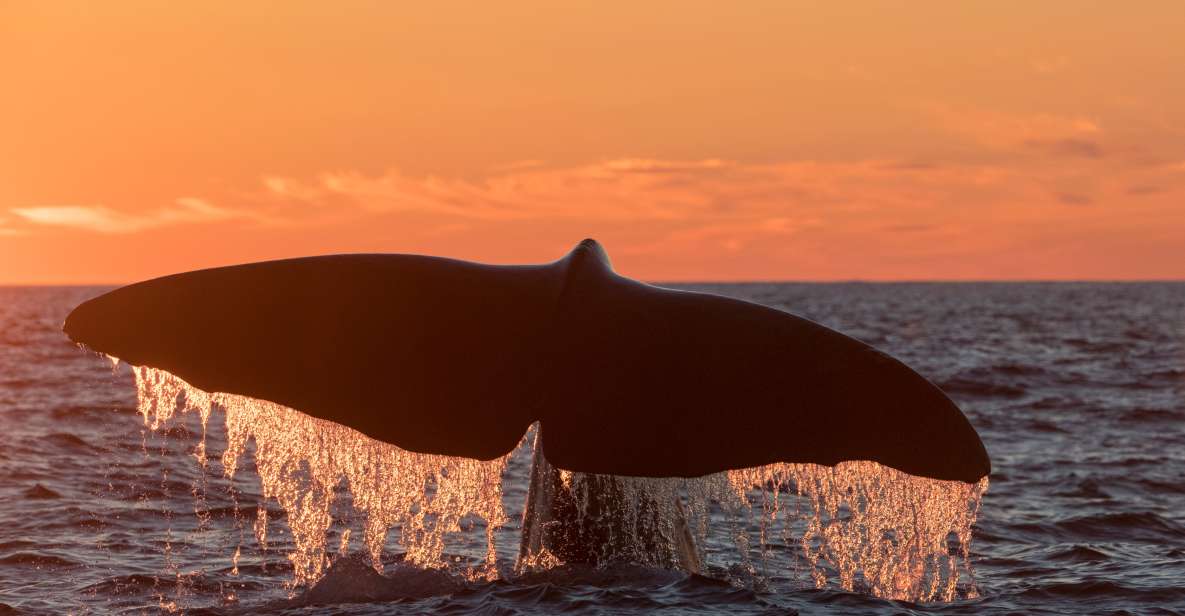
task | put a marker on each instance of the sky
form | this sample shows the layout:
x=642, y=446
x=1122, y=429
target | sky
x=696, y=140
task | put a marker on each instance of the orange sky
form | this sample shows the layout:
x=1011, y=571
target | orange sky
x=696, y=140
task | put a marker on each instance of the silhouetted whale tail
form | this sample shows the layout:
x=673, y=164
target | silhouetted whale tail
x=450, y=357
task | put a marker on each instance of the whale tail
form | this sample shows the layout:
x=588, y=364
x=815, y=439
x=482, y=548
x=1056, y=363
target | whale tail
x=449, y=357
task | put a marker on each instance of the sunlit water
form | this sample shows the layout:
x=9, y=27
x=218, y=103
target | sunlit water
x=1077, y=390
x=872, y=528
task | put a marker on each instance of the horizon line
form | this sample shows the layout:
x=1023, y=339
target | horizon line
x=8, y=285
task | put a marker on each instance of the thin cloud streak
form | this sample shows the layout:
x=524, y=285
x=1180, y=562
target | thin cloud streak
x=1001, y=130
x=102, y=219
x=629, y=190
x=5, y=230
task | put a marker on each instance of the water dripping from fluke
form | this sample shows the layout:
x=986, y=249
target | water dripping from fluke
x=857, y=525
x=301, y=460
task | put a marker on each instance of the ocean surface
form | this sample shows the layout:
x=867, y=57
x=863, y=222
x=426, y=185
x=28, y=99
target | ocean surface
x=1078, y=390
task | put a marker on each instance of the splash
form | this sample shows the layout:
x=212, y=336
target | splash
x=860, y=525
x=871, y=528
x=602, y=520
x=880, y=530
x=302, y=460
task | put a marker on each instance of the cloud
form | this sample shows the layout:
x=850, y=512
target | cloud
x=915, y=165
x=807, y=213
x=996, y=129
x=5, y=230
x=103, y=219
x=1049, y=64
x=729, y=197
x=726, y=235
x=618, y=189
x=909, y=228
x=673, y=206
x=1071, y=147
x=519, y=164
x=1074, y=198
x=879, y=217
x=650, y=165
x=1144, y=189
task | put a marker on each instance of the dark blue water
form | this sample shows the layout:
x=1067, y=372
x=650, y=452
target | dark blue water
x=1078, y=390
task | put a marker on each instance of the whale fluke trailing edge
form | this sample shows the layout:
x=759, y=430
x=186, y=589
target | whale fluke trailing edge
x=451, y=357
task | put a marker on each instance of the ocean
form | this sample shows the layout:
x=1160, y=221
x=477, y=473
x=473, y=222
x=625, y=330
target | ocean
x=1077, y=389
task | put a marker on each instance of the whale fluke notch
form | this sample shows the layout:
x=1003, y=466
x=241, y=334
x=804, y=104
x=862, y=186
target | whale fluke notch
x=450, y=357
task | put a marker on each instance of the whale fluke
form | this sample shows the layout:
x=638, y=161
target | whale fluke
x=449, y=357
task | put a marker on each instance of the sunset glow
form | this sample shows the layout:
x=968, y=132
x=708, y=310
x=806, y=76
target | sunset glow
x=696, y=141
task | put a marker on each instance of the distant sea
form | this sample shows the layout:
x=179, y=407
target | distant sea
x=1078, y=390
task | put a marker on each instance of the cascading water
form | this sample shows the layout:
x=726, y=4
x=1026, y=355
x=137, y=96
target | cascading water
x=882, y=531
x=868, y=527
x=301, y=460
